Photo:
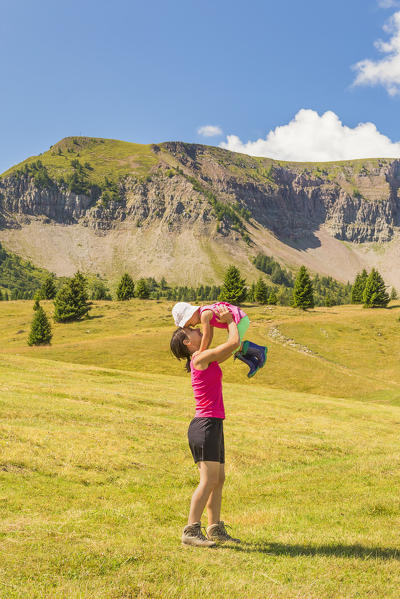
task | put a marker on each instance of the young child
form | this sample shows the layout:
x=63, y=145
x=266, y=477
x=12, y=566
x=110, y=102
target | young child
x=186, y=315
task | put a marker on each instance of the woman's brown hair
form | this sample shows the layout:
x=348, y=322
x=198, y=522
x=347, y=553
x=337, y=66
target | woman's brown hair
x=180, y=349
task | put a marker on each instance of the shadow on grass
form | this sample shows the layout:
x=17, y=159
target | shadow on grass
x=392, y=307
x=338, y=550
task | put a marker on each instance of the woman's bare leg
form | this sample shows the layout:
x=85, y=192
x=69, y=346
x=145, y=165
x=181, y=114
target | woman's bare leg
x=209, y=478
x=215, y=499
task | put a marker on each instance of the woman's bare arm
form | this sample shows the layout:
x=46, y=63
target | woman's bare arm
x=207, y=330
x=224, y=351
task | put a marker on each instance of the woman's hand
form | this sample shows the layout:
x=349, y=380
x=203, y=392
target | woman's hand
x=224, y=315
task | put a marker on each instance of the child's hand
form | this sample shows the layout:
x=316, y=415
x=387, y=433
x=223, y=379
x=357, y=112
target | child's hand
x=224, y=315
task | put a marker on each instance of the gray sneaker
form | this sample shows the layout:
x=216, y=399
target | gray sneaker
x=192, y=535
x=218, y=532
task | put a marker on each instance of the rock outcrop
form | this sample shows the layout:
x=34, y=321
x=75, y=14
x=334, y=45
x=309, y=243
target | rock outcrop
x=218, y=195
x=356, y=204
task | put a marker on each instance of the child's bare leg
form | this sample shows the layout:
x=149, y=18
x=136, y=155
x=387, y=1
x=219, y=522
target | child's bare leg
x=239, y=349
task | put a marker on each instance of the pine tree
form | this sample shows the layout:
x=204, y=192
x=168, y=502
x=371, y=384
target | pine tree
x=329, y=301
x=99, y=290
x=375, y=295
x=272, y=298
x=261, y=292
x=48, y=289
x=1, y=296
x=126, y=288
x=251, y=292
x=142, y=289
x=36, y=305
x=234, y=288
x=358, y=288
x=393, y=294
x=303, y=290
x=40, y=329
x=71, y=302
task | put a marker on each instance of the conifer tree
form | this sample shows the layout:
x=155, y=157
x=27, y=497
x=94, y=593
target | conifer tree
x=375, y=295
x=234, y=288
x=1, y=296
x=215, y=292
x=393, y=294
x=40, y=329
x=329, y=301
x=71, y=302
x=272, y=298
x=303, y=290
x=36, y=305
x=48, y=289
x=261, y=292
x=126, y=288
x=99, y=290
x=358, y=288
x=251, y=292
x=142, y=289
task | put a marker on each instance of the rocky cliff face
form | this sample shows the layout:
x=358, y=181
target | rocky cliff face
x=213, y=205
x=194, y=186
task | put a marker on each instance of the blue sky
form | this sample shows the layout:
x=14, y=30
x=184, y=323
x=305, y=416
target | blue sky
x=155, y=71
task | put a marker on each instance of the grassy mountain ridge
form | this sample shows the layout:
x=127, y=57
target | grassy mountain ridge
x=116, y=159
x=170, y=201
x=106, y=157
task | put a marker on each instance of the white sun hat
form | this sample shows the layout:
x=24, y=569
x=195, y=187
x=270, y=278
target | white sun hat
x=182, y=312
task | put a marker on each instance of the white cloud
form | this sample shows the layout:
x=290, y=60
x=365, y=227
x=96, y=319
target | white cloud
x=386, y=71
x=311, y=137
x=209, y=130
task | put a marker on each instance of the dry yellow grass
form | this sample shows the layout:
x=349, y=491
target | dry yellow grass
x=96, y=475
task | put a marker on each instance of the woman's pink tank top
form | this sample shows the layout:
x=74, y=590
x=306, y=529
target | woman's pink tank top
x=207, y=389
x=236, y=312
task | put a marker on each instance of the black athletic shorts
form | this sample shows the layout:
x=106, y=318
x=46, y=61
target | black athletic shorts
x=206, y=440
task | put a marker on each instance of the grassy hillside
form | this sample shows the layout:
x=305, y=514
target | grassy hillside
x=114, y=159
x=109, y=158
x=19, y=277
x=352, y=352
x=96, y=475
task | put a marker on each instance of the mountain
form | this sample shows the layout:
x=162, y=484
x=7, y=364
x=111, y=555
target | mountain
x=185, y=211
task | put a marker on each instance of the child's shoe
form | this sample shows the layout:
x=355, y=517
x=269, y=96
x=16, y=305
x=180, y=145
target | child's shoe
x=251, y=362
x=252, y=350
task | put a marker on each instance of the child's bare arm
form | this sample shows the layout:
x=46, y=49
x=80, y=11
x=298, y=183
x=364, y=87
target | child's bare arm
x=207, y=330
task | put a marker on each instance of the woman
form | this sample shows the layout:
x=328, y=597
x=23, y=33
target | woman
x=205, y=433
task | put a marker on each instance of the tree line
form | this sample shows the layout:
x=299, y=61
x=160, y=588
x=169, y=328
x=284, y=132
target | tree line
x=71, y=300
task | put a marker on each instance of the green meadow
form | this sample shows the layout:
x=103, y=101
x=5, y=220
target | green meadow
x=96, y=474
